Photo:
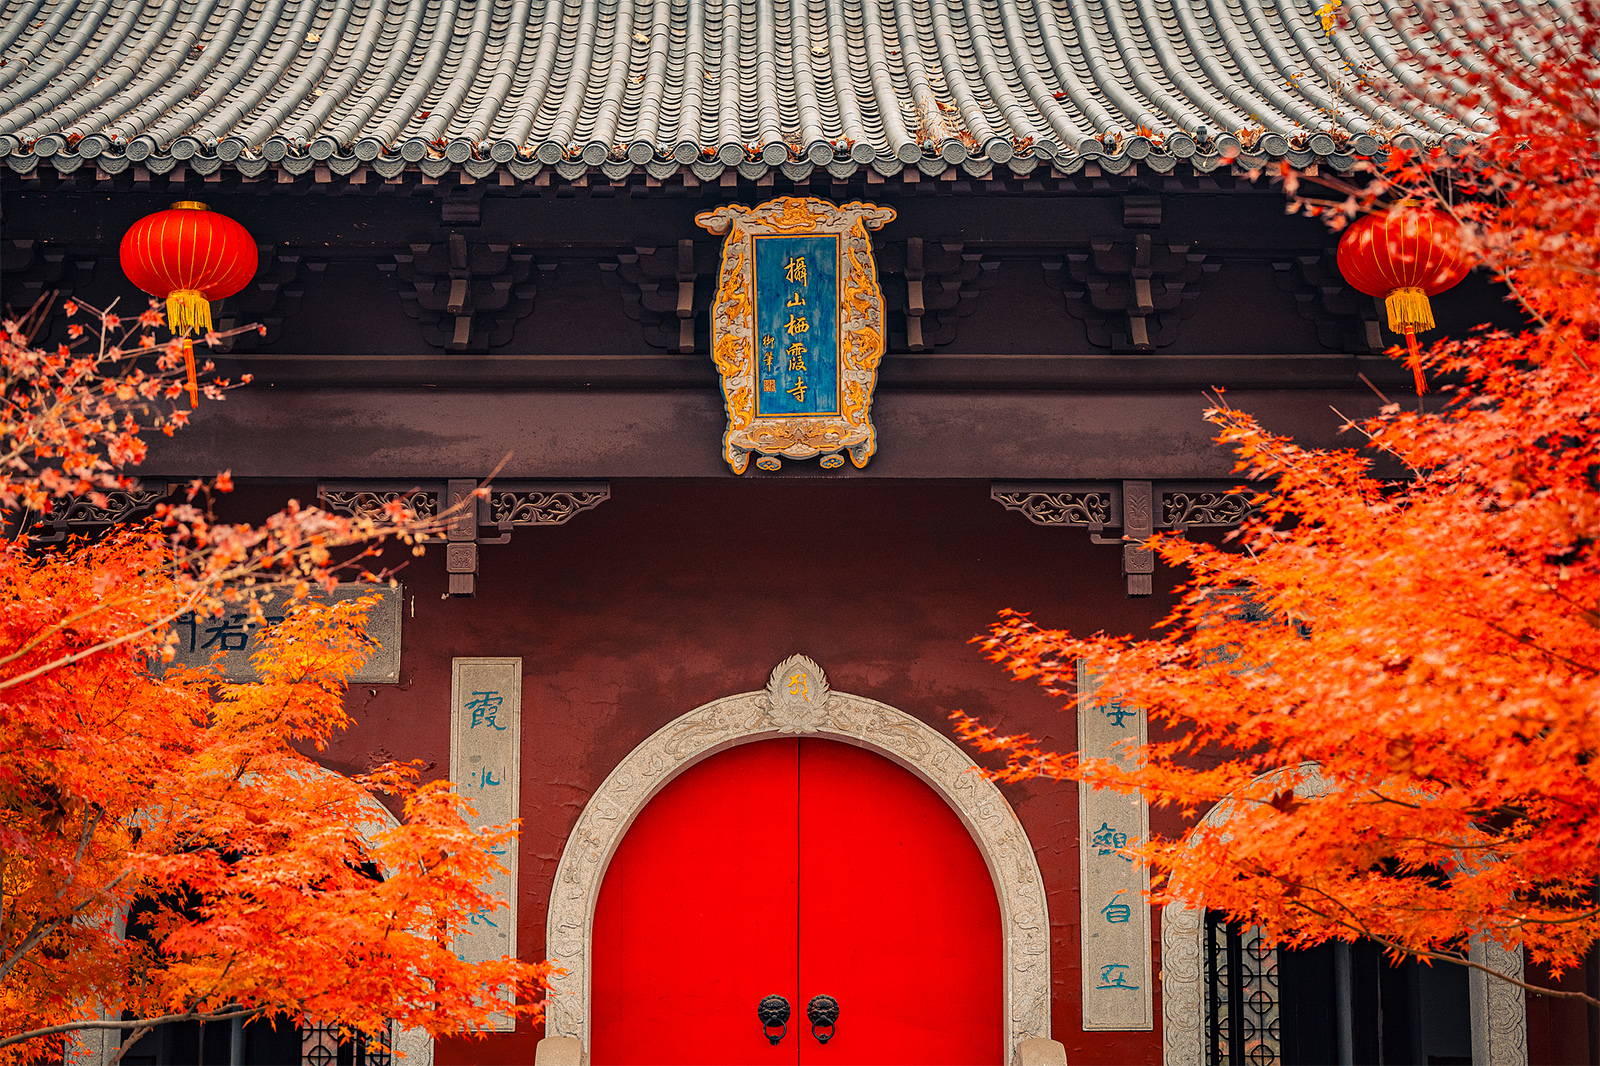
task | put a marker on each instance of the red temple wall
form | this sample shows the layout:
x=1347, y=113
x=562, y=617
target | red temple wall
x=671, y=595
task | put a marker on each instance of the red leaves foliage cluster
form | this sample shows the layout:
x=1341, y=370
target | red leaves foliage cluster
x=260, y=884
x=1431, y=642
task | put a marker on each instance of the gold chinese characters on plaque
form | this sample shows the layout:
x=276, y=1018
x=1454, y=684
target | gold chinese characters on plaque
x=797, y=330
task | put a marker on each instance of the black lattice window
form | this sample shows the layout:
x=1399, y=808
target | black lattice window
x=322, y=1045
x=1242, y=999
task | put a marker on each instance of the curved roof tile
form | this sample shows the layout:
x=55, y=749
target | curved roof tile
x=617, y=84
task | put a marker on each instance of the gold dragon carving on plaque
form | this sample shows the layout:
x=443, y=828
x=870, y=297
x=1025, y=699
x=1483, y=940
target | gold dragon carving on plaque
x=797, y=330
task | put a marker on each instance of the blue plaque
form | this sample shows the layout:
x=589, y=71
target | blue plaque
x=797, y=325
x=797, y=330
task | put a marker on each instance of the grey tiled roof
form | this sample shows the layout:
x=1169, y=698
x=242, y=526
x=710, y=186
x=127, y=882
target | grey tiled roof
x=620, y=85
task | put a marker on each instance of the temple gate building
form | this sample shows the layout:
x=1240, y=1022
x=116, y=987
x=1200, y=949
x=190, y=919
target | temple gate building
x=705, y=634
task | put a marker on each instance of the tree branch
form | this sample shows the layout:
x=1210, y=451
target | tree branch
x=146, y=1023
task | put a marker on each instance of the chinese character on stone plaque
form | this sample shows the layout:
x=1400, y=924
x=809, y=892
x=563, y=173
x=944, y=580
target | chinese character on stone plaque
x=799, y=278
x=486, y=766
x=229, y=640
x=1114, y=916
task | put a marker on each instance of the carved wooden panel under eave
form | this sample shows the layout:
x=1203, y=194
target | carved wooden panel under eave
x=1132, y=294
x=1346, y=320
x=30, y=268
x=467, y=296
x=668, y=291
x=928, y=287
x=283, y=277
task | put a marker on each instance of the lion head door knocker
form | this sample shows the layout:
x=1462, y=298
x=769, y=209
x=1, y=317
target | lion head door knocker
x=773, y=1011
x=823, y=1012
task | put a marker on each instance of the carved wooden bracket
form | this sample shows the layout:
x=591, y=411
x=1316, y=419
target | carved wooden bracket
x=507, y=505
x=662, y=291
x=77, y=515
x=282, y=279
x=1346, y=320
x=466, y=296
x=1131, y=294
x=30, y=268
x=1138, y=508
x=927, y=287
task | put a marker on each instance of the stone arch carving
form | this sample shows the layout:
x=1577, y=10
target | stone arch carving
x=798, y=701
x=1499, y=1010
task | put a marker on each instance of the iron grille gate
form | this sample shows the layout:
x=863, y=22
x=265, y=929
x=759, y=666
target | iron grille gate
x=320, y=1045
x=1242, y=1017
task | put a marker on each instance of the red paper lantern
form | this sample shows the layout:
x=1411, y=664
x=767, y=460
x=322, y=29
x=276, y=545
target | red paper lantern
x=1404, y=255
x=189, y=255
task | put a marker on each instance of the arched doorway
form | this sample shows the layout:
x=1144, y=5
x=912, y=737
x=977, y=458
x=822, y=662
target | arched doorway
x=797, y=867
x=1496, y=1010
x=798, y=702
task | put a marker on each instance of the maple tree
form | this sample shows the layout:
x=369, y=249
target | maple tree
x=1418, y=617
x=128, y=781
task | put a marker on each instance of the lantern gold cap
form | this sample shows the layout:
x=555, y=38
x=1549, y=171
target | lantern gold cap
x=190, y=205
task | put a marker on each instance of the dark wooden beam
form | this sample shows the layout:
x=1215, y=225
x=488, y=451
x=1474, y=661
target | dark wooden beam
x=897, y=372
x=398, y=434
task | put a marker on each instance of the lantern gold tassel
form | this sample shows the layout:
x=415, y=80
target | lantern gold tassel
x=1409, y=310
x=1409, y=314
x=188, y=311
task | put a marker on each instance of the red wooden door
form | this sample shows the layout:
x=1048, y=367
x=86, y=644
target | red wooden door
x=797, y=867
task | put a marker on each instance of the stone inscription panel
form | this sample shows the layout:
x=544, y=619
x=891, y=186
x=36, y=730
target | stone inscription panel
x=234, y=638
x=1115, y=917
x=485, y=764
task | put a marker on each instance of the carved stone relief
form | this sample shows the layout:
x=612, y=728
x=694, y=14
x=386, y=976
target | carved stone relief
x=1499, y=1008
x=798, y=700
x=1499, y=1011
x=1182, y=987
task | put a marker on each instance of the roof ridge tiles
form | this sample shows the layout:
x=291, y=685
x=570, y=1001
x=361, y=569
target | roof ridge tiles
x=757, y=85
